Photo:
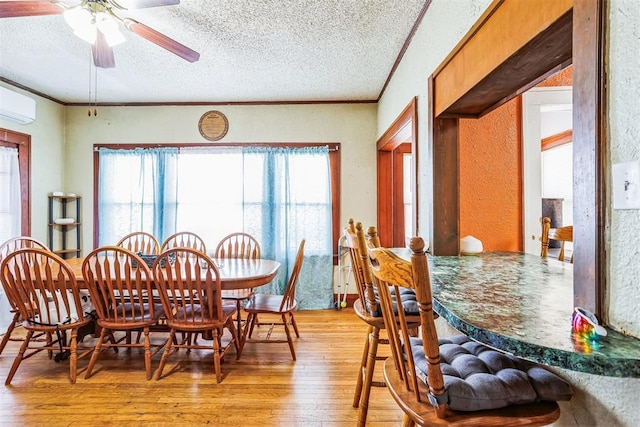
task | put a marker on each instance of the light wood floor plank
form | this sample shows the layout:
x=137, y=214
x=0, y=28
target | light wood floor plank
x=264, y=388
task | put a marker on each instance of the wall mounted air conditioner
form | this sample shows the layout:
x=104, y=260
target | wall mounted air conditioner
x=17, y=107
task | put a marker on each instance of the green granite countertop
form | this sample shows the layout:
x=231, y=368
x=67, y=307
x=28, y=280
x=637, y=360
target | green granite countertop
x=522, y=304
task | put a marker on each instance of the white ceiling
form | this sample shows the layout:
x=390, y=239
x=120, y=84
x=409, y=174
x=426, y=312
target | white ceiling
x=250, y=51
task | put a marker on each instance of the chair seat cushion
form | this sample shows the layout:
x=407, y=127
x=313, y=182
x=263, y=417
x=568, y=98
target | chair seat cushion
x=194, y=313
x=477, y=377
x=408, y=298
x=128, y=312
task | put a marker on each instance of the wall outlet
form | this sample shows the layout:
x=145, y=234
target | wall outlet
x=626, y=185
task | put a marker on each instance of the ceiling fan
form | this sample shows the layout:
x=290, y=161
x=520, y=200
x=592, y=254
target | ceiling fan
x=96, y=22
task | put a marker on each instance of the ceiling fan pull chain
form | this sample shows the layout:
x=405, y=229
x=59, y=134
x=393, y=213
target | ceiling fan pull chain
x=95, y=92
x=93, y=82
x=90, y=62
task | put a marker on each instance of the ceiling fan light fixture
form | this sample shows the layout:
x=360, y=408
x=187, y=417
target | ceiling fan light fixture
x=82, y=23
x=95, y=22
x=110, y=29
x=87, y=33
x=77, y=17
x=115, y=38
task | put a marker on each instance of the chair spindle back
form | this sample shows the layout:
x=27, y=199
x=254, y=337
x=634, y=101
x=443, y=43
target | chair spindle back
x=140, y=242
x=42, y=286
x=238, y=245
x=392, y=272
x=119, y=283
x=184, y=239
x=190, y=288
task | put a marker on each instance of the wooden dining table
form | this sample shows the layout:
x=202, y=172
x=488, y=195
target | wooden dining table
x=234, y=273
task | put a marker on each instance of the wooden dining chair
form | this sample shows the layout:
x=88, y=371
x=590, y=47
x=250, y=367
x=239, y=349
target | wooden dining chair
x=281, y=305
x=561, y=234
x=455, y=381
x=6, y=248
x=140, y=242
x=367, y=308
x=44, y=289
x=119, y=283
x=238, y=246
x=189, y=285
x=184, y=239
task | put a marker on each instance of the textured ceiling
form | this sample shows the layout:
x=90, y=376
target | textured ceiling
x=250, y=51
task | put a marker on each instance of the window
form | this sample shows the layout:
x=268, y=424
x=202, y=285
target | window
x=10, y=209
x=278, y=194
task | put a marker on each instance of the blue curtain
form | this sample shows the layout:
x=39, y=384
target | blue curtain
x=279, y=195
x=137, y=192
x=295, y=185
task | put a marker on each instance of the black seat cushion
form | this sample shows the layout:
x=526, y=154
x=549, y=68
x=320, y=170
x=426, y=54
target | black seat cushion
x=142, y=312
x=408, y=298
x=477, y=377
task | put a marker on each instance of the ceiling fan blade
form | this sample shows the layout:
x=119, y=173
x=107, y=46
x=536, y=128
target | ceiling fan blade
x=161, y=40
x=141, y=4
x=102, y=52
x=16, y=9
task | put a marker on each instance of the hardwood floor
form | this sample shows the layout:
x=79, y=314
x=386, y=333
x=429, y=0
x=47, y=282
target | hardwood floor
x=265, y=387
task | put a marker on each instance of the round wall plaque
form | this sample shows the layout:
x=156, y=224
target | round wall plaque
x=213, y=125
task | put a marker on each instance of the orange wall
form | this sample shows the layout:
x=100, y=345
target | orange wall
x=490, y=179
x=563, y=78
x=490, y=156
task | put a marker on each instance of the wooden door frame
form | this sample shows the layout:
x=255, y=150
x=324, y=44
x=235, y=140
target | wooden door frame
x=587, y=55
x=22, y=142
x=400, y=137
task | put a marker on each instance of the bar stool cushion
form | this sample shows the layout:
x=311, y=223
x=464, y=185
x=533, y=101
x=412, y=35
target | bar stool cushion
x=477, y=377
x=408, y=298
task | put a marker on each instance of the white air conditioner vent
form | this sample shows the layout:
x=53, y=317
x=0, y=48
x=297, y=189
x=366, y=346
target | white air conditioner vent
x=17, y=107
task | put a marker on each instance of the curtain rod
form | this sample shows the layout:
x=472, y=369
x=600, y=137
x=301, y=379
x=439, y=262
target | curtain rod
x=333, y=146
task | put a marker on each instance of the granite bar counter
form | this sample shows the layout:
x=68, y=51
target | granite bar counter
x=522, y=304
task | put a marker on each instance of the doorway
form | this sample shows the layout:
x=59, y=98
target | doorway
x=546, y=112
x=397, y=189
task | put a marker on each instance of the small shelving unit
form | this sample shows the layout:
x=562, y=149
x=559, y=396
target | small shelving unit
x=64, y=239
